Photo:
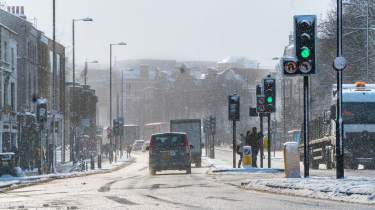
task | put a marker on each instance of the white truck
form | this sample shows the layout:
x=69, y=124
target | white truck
x=358, y=114
x=192, y=127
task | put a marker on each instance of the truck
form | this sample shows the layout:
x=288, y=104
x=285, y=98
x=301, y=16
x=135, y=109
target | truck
x=358, y=105
x=154, y=128
x=192, y=127
x=131, y=133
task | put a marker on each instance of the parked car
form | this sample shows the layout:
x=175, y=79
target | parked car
x=145, y=146
x=137, y=145
x=169, y=151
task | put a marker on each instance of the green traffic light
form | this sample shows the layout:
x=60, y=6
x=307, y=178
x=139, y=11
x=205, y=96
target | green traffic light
x=269, y=99
x=305, y=53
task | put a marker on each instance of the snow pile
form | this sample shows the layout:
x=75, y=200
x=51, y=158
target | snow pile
x=351, y=189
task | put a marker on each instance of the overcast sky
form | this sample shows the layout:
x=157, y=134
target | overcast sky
x=174, y=29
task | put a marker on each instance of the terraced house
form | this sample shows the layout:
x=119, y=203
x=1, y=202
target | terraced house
x=8, y=89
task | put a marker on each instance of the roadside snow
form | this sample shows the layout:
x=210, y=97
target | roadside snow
x=351, y=189
x=10, y=181
x=220, y=166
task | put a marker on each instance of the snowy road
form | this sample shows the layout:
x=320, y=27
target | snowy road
x=133, y=188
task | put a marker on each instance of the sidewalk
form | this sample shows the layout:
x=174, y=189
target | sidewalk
x=358, y=185
x=350, y=189
x=223, y=163
x=7, y=181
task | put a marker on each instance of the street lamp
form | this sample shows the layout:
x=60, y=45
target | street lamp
x=85, y=71
x=74, y=80
x=110, y=93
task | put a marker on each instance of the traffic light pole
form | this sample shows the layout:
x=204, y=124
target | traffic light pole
x=339, y=129
x=269, y=140
x=306, y=112
x=234, y=143
x=261, y=144
x=213, y=146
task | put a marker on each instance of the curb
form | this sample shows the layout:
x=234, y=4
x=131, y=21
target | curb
x=43, y=180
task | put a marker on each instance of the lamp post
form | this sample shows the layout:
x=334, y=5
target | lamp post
x=72, y=141
x=110, y=95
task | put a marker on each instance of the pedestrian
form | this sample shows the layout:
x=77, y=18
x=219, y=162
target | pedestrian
x=128, y=151
x=253, y=139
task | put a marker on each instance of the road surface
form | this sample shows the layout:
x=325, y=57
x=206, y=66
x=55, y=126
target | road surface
x=133, y=188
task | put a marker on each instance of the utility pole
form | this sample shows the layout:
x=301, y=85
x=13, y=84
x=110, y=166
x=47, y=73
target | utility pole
x=117, y=114
x=261, y=144
x=54, y=73
x=73, y=140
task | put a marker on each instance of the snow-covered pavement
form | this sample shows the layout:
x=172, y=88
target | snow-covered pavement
x=358, y=185
x=7, y=181
x=351, y=189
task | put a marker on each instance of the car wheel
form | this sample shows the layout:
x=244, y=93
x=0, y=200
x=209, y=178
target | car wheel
x=188, y=170
x=152, y=171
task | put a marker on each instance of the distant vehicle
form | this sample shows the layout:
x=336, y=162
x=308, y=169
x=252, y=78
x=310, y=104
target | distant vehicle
x=169, y=151
x=131, y=133
x=137, y=146
x=7, y=163
x=145, y=146
x=152, y=128
x=192, y=127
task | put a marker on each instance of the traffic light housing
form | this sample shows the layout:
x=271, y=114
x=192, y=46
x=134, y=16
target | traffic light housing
x=41, y=110
x=234, y=107
x=269, y=95
x=304, y=36
x=213, y=124
x=260, y=100
x=115, y=127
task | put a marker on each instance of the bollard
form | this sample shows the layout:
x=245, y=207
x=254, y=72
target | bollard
x=247, y=158
x=291, y=160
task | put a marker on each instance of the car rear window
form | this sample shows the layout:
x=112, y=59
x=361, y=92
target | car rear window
x=168, y=141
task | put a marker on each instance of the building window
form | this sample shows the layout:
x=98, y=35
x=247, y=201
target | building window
x=12, y=58
x=5, y=93
x=6, y=51
x=12, y=95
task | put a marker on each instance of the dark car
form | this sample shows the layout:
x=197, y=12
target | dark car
x=169, y=151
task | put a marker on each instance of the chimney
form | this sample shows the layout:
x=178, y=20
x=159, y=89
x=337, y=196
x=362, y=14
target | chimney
x=17, y=11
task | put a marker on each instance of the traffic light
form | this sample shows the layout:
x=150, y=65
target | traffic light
x=115, y=127
x=213, y=124
x=305, y=34
x=41, y=110
x=234, y=107
x=269, y=95
x=260, y=100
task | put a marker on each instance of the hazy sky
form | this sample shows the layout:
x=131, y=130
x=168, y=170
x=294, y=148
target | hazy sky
x=174, y=29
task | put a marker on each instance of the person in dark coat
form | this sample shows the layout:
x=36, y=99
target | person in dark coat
x=254, y=140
